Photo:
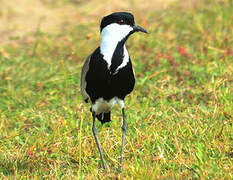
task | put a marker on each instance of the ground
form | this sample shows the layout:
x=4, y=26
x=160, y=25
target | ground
x=179, y=116
x=18, y=18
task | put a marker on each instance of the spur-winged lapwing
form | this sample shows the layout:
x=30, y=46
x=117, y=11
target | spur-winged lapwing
x=107, y=75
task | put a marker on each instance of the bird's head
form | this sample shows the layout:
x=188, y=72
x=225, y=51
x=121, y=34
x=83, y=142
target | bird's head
x=119, y=25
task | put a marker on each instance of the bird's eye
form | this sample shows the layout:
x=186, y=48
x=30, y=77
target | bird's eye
x=121, y=22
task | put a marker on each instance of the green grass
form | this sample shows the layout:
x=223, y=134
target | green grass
x=179, y=115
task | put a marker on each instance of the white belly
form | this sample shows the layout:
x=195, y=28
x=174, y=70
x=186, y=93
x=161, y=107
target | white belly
x=103, y=106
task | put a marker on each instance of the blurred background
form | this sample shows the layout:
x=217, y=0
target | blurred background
x=20, y=17
x=179, y=115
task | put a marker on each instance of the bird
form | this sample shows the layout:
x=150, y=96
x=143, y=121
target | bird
x=107, y=75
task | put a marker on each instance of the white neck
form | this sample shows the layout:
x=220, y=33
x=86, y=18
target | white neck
x=111, y=35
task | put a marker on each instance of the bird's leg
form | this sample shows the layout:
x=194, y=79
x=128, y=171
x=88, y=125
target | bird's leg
x=97, y=140
x=124, y=126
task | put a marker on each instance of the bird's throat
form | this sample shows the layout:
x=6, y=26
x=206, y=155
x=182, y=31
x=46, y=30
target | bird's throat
x=114, y=53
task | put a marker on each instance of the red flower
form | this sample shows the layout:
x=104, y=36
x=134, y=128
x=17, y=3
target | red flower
x=227, y=53
x=158, y=56
x=183, y=52
x=171, y=59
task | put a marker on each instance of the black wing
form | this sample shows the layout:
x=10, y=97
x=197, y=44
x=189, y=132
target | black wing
x=101, y=83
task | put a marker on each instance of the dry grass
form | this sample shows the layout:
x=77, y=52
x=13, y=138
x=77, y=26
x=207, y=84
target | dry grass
x=179, y=115
x=53, y=16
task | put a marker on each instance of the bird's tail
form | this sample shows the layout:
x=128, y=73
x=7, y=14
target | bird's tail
x=104, y=117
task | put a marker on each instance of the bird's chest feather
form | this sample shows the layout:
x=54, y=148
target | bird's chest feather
x=102, y=83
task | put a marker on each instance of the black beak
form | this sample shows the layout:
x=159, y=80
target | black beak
x=139, y=28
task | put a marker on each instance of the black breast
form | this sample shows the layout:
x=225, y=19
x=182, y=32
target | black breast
x=102, y=83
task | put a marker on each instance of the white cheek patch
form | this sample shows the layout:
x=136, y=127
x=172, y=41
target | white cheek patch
x=110, y=36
